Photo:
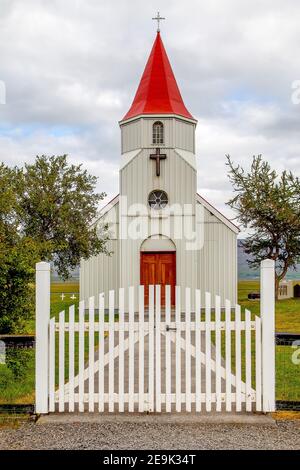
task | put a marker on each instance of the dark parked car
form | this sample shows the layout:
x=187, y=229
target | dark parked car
x=254, y=295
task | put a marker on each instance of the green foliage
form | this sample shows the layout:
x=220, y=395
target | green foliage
x=6, y=378
x=8, y=204
x=17, y=257
x=268, y=205
x=58, y=205
x=18, y=360
x=47, y=211
x=16, y=287
x=17, y=376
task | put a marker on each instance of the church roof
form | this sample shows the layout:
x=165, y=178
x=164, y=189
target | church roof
x=158, y=92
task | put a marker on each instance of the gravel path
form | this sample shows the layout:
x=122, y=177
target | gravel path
x=285, y=435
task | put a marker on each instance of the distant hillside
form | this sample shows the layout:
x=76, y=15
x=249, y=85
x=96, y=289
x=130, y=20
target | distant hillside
x=244, y=272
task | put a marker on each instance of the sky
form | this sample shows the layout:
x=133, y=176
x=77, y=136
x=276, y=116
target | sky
x=70, y=69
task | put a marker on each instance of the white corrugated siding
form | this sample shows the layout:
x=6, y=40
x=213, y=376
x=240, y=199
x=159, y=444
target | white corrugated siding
x=101, y=273
x=131, y=136
x=178, y=179
x=184, y=135
x=213, y=268
x=177, y=133
x=217, y=261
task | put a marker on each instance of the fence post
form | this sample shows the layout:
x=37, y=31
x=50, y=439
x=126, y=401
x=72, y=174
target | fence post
x=42, y=317
x=267, y=306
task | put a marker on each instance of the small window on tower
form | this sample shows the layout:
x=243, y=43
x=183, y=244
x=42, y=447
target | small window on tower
x=158, y=133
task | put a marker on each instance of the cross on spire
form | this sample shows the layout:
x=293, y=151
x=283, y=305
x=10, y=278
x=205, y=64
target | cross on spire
x=157, y=156
x=158, y=18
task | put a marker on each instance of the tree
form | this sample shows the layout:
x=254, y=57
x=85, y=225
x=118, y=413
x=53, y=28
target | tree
x=8, y=204
x=47, y=211
x=57, y=208
x=17, y=258
x=268, y=205
x=16, y=285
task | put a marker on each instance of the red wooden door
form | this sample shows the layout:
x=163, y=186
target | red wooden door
x=159, y=268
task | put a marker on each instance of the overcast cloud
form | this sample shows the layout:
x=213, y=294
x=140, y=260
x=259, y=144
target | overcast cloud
x=71, y=68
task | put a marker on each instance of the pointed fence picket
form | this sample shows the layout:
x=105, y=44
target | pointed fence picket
x=198, y=348
x=101, y=354
x=71, y=358
x=228, y=353
x=188, y=403
x=131, y=350
x=238, y=359
x=168, y=356
x=111, y=335
x=178, y=348
x=218, y=352
x=248, y=359
x=121, y=350
x=156, y=357
x=258, y=363
x=52, y=364
x=61, y=363
x=141, y=349
x=91, y=352
x=151, y=351
x=157, y=350
x=81, y=357
x=208, y=351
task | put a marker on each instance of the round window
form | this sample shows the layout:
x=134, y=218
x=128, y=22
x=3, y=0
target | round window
x=158, y=199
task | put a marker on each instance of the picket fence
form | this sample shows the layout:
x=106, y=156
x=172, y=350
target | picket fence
x=155, y=358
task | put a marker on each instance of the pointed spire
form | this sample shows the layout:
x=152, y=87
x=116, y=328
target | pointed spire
x=158, y=92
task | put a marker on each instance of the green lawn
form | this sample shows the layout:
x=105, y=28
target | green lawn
x=287, y=317
x=19, y=388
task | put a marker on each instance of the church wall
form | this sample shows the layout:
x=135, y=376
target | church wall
x=177, y=178
x=101, y=273
x=213, y=268
x=137, y=179
x=131, y=136
x=184, y=135
x=217, y=261
x=177, y=133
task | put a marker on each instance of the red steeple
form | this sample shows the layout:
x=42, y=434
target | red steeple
x=158, y=92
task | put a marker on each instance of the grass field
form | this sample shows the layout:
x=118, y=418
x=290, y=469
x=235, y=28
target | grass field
x=287, y=317
x=21, y=389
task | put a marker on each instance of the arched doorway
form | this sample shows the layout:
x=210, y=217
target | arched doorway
x=297, y=290
x=158, y=265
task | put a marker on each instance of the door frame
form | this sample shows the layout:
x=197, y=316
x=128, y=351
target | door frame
x=173, y=252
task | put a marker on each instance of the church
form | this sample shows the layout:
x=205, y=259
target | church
x=162, y=231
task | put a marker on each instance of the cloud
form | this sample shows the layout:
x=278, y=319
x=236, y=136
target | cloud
x=71, y=69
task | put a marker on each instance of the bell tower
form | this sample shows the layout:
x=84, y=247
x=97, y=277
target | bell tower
x=158, y=173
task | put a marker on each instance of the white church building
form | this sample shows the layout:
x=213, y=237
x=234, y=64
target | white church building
x=162, y=231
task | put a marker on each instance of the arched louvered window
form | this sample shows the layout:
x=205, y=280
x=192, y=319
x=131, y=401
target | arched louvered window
x=158, y=133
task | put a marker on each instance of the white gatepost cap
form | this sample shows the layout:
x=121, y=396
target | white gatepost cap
x=42, y=266
x=268, y=263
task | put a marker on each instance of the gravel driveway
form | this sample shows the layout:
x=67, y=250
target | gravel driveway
x=284, y=435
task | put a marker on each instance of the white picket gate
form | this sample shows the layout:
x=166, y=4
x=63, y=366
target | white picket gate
x=157, y=358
